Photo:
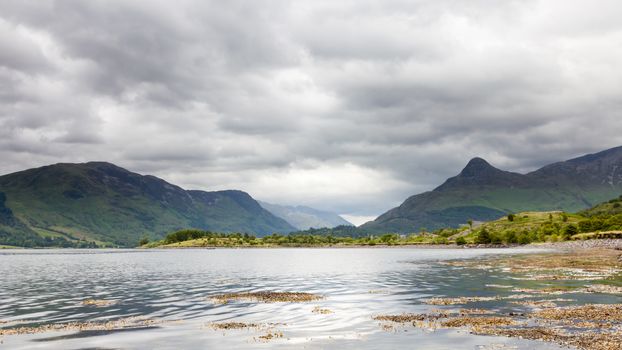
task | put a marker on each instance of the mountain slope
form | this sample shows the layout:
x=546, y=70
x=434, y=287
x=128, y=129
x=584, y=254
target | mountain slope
x=482, y=192
x=304, y=218
x=101, y=202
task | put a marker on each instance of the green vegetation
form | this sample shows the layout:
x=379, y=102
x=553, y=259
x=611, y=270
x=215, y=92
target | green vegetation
x=199, y=238
x=527, y=227
x=518, y=228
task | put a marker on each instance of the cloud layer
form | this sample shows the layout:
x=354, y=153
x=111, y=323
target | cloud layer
x=348, y=106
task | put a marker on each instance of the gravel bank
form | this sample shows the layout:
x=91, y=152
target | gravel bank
x=587, y=244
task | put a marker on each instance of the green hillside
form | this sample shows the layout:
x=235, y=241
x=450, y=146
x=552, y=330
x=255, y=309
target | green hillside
x=105, y=204
x=482, y=192
x=610, y=208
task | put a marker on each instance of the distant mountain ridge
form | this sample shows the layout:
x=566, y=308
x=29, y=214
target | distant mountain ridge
x=304, y=218
x=482, y=192
x=104, y=203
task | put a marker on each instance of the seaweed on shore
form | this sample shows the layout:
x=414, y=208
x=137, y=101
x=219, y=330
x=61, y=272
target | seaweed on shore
x=598, y=312
x=585, y=264
x=568, y=326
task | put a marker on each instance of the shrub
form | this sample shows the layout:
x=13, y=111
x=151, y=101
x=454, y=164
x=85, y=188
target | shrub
x=510, y=217
x=483, y=237
x=440, y=240
x=524, y=238
x=569, y=231
x=461, y=241
x=186, y=235
x=144, y=240
x=510, y=237
x=495, y=239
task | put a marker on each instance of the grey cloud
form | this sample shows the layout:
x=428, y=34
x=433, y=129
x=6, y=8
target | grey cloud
x=382, y=98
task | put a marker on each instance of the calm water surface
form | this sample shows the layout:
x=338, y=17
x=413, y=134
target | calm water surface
x=48, y=286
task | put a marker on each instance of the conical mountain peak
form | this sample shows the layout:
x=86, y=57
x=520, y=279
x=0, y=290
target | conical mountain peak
x=477, y=166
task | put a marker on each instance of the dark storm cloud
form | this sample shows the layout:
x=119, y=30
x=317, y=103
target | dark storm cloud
x=350, y=106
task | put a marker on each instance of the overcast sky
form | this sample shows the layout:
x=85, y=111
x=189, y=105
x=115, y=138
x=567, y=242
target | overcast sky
x=349, y=106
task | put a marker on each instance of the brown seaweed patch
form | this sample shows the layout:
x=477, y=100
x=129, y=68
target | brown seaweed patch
x=409, y=318
x=132, y=322
x=269, y=336
x=319, y=310
x=541, y=304
x=591, y=340
x=268, y=297
x=232, y=325
x=534, y=333
x=269, y=328
x=98, y=302
x=603, y=288
x=550, y=290
x=585, y=264
x=378, y=291
x=457, y=301
x=465, y=312
x=593, y=312
x=497, y=321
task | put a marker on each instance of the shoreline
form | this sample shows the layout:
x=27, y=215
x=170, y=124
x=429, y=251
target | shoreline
x=565, y=245
x=615, y=244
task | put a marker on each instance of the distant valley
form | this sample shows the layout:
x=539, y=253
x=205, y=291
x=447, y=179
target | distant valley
x=304, y=218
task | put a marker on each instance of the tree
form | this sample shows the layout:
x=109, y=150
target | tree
x=510, y=237
x=569, y=231
x=470, y=222
x=143, y=240
x=460, y=241
x=483, y=237
x=510, y=217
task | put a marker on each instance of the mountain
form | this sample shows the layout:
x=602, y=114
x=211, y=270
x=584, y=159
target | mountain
x=103, y=203
x=482, y=192
x=304, y=218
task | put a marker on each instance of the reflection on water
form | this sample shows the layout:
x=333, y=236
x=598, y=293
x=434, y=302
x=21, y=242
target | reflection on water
x=49, y=286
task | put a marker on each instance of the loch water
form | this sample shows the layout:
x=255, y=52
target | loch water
x=49, y=286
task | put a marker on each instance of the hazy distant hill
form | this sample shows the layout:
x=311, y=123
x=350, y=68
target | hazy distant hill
x=483, y=192
x=303, y=217
x=102, y=202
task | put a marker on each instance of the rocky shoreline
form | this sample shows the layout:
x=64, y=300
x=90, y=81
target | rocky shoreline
x=582, y=244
